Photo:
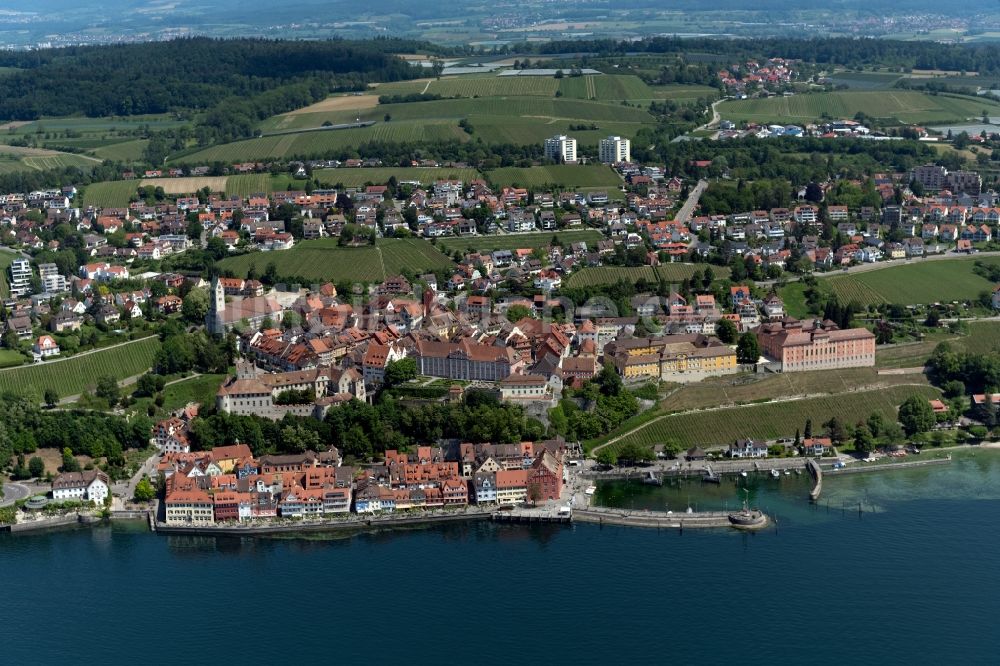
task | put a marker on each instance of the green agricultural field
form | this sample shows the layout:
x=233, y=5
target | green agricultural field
x=918, y=282
x=6, y=257
x=556, y=175
x=115, y=193
x=77, y=374
x=322, y=260
x=607, y=87
x=546, y=108
x=866, y=80
x=771, y=420
x=381, y=175
x=246, y=184
x=517, y=241
x=490, y=86
x=330, y=141
x=523, y=119
x=905, y=106
x=680, y=92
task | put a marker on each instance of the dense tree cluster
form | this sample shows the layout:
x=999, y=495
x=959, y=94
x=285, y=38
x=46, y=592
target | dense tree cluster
x=26, y=428
x=844, y=51
x=194, y=73
x=364, y=430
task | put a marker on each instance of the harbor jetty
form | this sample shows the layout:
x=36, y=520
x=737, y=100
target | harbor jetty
x=748, y=519
x=817, y=473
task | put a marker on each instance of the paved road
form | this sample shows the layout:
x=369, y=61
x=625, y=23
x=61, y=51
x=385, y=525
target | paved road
x=684, y=214
x=126, y=489
x=13, y=492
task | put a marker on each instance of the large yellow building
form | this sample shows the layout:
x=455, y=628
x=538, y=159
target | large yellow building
x=678, y=358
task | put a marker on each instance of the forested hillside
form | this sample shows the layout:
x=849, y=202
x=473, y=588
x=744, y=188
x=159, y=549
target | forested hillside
x=196, y=73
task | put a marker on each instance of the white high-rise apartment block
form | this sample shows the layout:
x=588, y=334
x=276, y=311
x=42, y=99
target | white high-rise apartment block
x=615, y=149
x=561, y=148
x=20, y=277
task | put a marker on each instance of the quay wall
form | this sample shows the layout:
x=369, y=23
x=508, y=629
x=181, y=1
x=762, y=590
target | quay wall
x=363, y=523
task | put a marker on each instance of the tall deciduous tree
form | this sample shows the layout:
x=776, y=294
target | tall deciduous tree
x=747, y=349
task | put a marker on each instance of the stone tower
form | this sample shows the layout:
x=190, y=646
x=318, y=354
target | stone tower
x=216, y=309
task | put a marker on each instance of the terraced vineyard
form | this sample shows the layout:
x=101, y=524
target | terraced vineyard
x=246, y=184
x=491, y=86
x=518, y=241
x=381, y=175
x=602, y=275
x=772, y=420
x=115, y=194
x=126, y=151
x=561, y=175
x=77, y=374
x=918, y=282
x=322, y=260
x=606, y=87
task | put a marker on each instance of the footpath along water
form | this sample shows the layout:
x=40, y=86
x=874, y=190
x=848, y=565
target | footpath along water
x=913, y=581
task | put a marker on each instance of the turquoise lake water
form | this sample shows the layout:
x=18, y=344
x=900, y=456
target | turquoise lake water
x=913, y=579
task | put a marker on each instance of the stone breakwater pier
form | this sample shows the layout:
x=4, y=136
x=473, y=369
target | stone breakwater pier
x=743, y=520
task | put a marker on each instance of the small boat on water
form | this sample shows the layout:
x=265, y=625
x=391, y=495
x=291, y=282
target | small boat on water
x=711, y=479
x=743, y=474
x=787, y=473
x=775, y=473
x=652, y=479
x=798, y=472
x=590, y=490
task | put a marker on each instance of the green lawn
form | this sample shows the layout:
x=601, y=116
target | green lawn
x=10, y=358
x=917, y=282
x=794, y=297
x=6, y=258
x=558, y=176
x=79, y=373
x=323, y=260
x=905, y=106
x=518, y=241
x=200, y=389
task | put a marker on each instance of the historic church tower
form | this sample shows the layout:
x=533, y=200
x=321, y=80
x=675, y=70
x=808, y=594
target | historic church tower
x=216, y=309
